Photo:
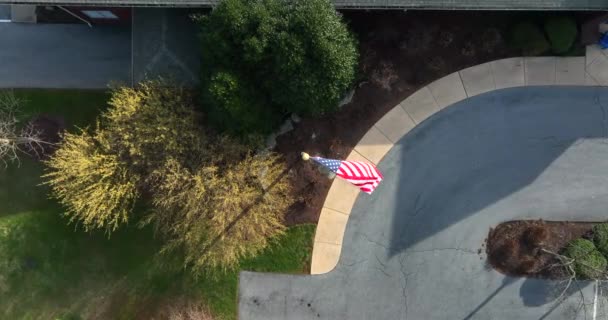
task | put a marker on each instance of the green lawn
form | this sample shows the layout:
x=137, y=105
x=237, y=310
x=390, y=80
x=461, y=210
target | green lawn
x=52, y=270
x=18, y=186
x=290, y=254
x=78, y=107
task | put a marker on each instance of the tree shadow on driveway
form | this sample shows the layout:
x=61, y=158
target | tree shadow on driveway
x=539, y=292
x=507, y=281
x=483, y=150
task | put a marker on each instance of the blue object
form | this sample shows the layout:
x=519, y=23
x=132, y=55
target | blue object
x=604, y=41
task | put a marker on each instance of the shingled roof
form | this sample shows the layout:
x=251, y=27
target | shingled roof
x=372, y=4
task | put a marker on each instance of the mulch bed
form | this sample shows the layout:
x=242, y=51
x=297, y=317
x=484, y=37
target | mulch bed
x=400, y=53
x=514, y=248
x=50, y=128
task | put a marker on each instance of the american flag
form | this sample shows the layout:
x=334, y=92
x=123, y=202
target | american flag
x=363, y=175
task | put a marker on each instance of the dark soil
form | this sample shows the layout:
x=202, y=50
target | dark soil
x=400, y=53
x=514, y=247
x=49, y=128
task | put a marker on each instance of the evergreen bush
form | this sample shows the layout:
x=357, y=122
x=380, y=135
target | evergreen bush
x=263, y=59
x=600, y=238
x=562, y=32
x=529, y=38
x=589, y=263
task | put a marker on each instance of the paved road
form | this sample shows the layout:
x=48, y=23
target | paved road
x=63, y=56
x=412, y=250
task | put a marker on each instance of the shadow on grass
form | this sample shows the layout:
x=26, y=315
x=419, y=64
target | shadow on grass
x=48, y=266
x=50, y=269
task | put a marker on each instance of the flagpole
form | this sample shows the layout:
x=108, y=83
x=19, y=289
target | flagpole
x=362, y=174
x=326, y=172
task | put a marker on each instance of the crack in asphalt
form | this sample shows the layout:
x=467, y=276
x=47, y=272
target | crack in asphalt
x=354, y=263
x=417, y=210
x=383, y=272
x=404, y=287
x=383, y=266
x=387, y=258
x=380, y=262
x=367, y=238
x=417, y=207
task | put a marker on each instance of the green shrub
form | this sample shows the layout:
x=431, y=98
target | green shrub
x=589, y=263
x=263, y=59
x=561, y=32
x=529, y=38
x=600, y=238
x=238, y=109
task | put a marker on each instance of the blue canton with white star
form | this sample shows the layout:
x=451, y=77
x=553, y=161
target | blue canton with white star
x=331, y=164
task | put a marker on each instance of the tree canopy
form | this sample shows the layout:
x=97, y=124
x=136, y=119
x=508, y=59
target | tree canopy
x=210, y=198
x=264, y=58
x=87, y=178
x=16, y=136
x=219, y=215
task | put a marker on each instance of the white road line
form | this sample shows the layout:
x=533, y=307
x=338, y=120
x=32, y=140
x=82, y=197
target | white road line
x=595, y=300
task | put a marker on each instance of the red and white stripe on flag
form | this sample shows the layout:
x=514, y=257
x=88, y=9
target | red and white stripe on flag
x=362, y=174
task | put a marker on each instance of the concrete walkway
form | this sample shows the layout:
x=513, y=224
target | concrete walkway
x=505, y=73
x=63, y=56
x=165, y=43
x=413, y=249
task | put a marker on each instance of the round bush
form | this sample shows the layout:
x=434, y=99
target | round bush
x=600, y=238
x=529, y=38
x=589, y=263
x=282, y=57
x=238, y=109
x=562, y=32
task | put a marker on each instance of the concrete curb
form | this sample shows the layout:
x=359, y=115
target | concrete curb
x=591, y=70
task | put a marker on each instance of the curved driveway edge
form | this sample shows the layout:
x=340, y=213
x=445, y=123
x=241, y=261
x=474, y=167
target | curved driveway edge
x=591, y=70
x=414, y=250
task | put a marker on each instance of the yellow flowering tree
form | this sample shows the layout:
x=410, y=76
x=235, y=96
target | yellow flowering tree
x=148, y=123
x=91, y=182
x=218, y=214
x=213, y=200
x=98, y=176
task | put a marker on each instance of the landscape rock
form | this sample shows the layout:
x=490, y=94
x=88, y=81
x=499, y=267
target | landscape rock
x=347, y=98
x=295, y=118
x=271, y=140
x=285, y=127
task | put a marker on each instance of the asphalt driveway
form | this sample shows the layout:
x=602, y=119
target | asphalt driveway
x=414, y=250
x=5, y=12
x=63, y=56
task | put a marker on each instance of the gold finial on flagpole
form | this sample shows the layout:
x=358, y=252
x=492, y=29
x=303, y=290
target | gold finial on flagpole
x=305, y=156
